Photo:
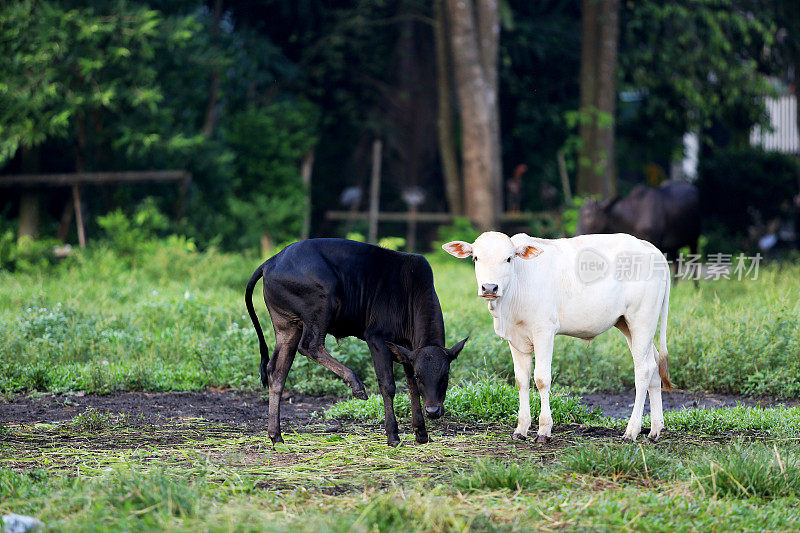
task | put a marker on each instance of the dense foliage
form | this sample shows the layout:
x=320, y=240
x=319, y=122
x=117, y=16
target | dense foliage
x=238, y=96
x=745, y=188
x=686, y=66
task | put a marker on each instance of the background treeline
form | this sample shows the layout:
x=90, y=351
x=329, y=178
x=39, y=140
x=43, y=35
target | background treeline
x=242, y=93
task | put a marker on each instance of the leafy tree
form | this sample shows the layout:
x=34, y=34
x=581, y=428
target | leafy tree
x=267, y=196
x=31, y=106
x=693, y=63
x=90, y=73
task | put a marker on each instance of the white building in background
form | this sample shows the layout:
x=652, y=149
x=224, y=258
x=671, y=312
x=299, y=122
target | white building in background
x=783, y=118
x=686, y=168
x=783, y=137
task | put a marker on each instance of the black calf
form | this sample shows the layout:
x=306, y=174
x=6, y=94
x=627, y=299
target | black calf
x=347, y=288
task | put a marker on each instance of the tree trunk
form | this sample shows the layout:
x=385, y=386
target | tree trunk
x=587, y=182
x=797, y=108
x=607, y=94
x=596, y=157
x=447, y=145
x=488, y=24
x=28, y=215
x=477, y=98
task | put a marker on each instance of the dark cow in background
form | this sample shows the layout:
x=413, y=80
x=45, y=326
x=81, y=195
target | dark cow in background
x=667, y=217
x=351, y=289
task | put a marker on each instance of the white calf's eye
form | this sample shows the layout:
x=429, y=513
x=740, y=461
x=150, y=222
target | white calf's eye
x=508, y=260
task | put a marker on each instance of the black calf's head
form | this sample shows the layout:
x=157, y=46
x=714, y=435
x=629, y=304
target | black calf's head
x=431, y=372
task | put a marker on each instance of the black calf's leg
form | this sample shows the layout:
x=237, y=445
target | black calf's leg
x=417, y=420
x=312, y=345
x=382, y=361
x=279, y=366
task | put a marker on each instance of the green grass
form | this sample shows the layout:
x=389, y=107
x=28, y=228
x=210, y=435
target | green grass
x=177, y=322
x=745, y=470
x=480, y=401
x=92, y=419
x=632, y=462
x=491, y=474
x=776, y=421
x=205, y=478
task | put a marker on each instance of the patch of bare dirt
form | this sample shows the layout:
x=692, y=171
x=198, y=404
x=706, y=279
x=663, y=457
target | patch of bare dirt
x=620, y=404
x=234, y=408
x=249, y=409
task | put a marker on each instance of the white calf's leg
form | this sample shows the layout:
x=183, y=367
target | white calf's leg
x=654, y=391
x=522, y=374
x=644, y=366
x=543, y=351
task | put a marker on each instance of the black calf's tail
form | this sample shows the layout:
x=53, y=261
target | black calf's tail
x=262, y=344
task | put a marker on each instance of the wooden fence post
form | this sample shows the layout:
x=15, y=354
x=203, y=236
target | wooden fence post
x=375, y=190
x=306, y=167
x=562, y=170
x=76, y=198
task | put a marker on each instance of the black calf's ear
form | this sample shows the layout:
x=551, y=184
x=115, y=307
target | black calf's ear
x=456, y=349
x=403, y=355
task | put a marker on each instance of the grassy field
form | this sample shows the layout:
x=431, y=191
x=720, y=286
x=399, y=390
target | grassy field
x=176, y=321
x=173, y=319
x=107, y=473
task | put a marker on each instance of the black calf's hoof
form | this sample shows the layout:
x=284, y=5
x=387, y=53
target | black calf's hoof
x=652, y=439
x=627, y=440
x=394, y=443
x=518, y=436
x=423, y=439
x=276, y=440
x=542, y=439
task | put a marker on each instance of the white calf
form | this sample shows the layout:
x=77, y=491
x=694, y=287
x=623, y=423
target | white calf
x=581, y=287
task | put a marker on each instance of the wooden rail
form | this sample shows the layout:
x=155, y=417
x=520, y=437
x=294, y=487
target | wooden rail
x=75, y=180
x=94, y=178
x=422, y=216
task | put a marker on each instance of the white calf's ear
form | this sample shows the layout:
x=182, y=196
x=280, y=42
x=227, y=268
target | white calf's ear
x=527, y=251
x=458, y=249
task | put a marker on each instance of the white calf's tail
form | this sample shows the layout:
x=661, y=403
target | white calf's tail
x=663, y=356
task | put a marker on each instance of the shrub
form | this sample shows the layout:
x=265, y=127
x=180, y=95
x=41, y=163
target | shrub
x=461, y=230
x=25, y=254
x=267, y=194
x=392, y=243
x=130, y=236
x=735, y=182
x=570, y=215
